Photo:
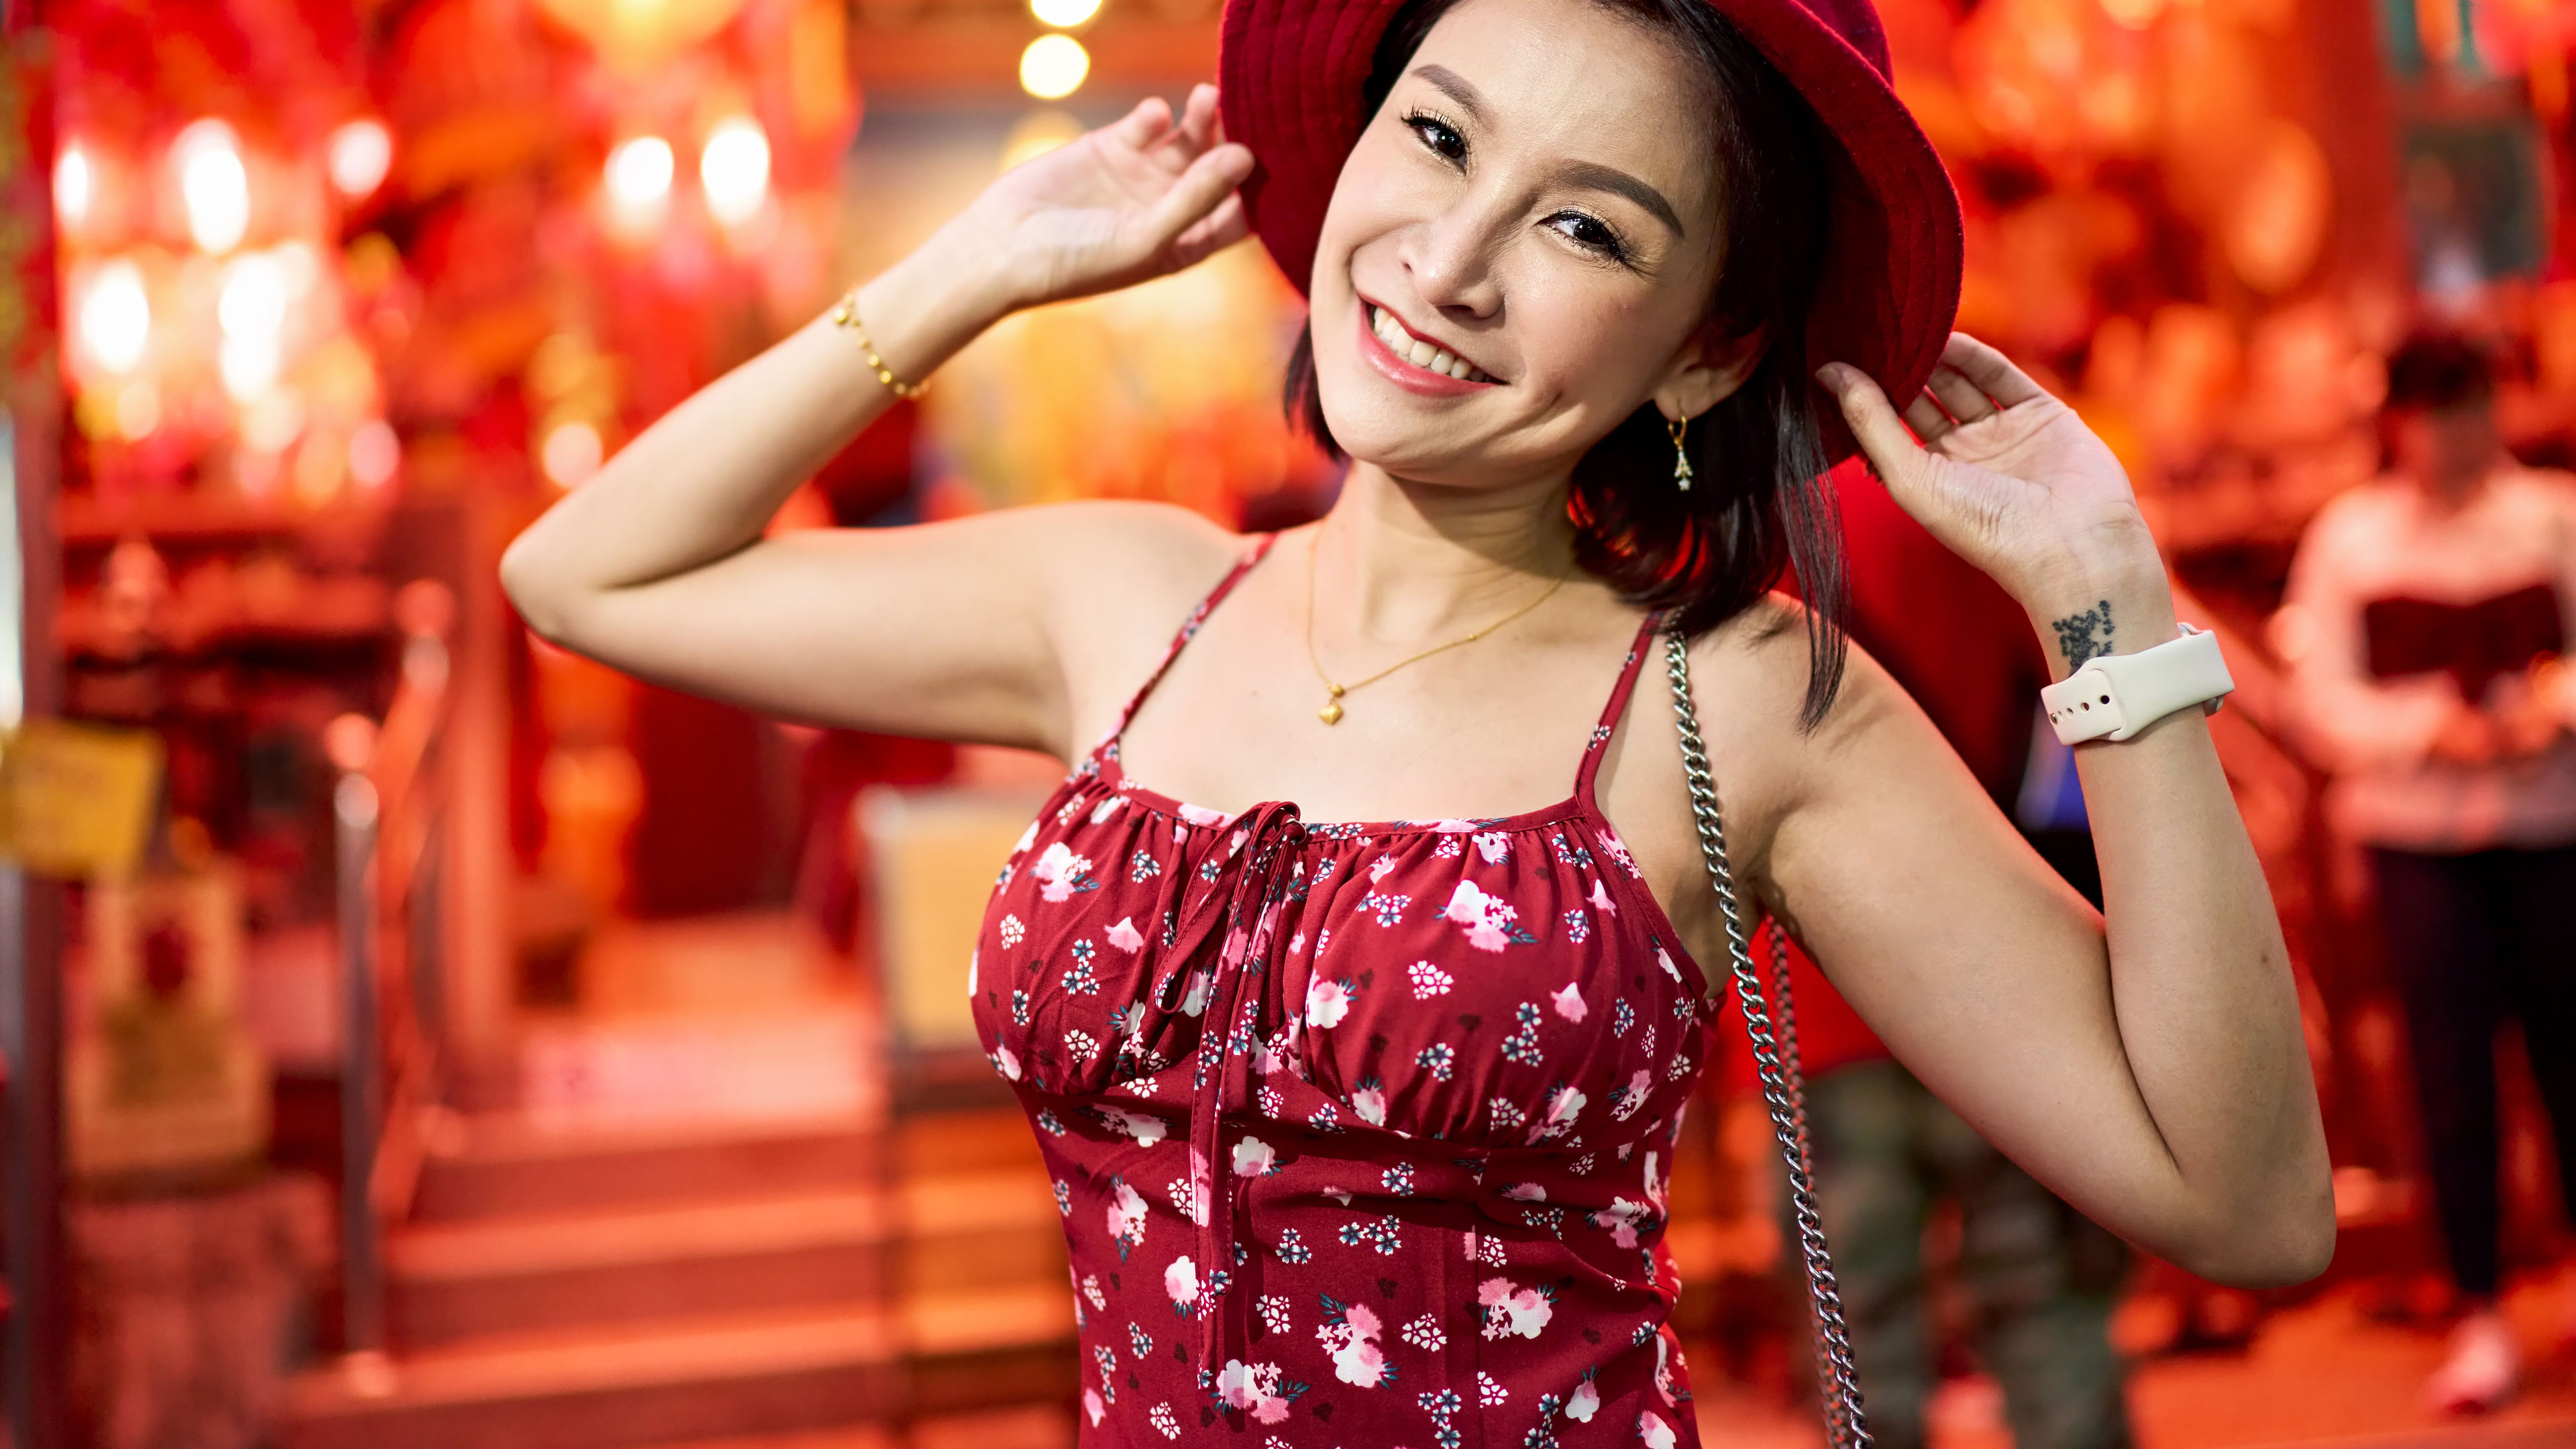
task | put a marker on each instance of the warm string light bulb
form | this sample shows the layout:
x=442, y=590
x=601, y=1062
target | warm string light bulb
x=74, y=184
x=1053, y=67
x=116, y=317
x=638, y=178
x=214, y=185
x=734, y=170
x=1064, y=14
x=362, y=151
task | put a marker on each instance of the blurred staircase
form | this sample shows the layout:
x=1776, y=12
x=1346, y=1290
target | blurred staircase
x=651, y=1286
x=575, y=1279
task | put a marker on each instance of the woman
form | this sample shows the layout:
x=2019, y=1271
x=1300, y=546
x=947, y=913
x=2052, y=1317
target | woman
x=1359, y=1128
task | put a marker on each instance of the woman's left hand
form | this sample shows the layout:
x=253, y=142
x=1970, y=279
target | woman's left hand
x=2011, y=480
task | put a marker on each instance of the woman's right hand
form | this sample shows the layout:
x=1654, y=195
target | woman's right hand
x=1143, y=196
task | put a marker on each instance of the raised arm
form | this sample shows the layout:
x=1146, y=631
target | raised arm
x=969, y=630
x=2147, y=1064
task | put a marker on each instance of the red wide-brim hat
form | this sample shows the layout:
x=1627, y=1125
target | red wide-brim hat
x=1290, y=74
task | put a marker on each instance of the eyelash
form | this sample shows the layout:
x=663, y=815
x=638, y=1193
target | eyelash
x=1432, y=130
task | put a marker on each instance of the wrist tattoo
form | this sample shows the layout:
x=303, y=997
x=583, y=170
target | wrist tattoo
x=2084, y=636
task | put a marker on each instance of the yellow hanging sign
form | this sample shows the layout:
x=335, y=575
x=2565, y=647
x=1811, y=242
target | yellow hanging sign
x=77, y=800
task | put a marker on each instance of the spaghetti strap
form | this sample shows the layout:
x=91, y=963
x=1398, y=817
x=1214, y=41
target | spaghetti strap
x=1598, y=745
x=1189, y=631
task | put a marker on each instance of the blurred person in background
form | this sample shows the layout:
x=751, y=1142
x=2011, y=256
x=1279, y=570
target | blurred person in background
x=2425, y=618
x=2038, y=1280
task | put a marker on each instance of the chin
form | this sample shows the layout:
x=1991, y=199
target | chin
x=1404, y=439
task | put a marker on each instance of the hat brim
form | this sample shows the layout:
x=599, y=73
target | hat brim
x=1290, y=74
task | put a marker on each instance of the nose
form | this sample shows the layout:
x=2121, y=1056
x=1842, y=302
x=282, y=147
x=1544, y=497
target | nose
x=1451, y=257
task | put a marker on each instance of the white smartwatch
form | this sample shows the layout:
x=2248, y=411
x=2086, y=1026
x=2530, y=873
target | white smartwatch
x=2114, y=696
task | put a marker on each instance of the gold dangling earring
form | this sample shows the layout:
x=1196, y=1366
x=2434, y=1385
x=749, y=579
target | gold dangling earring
x=1681, y=454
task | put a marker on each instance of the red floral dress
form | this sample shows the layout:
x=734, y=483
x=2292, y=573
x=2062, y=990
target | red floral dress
x=1360, y=1131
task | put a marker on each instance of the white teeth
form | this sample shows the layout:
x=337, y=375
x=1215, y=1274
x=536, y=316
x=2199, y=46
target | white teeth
x=1421, y=354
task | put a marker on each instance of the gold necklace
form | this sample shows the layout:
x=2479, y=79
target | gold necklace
x=1331, y=713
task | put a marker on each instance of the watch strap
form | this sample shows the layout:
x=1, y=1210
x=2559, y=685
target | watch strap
x=2115, y=696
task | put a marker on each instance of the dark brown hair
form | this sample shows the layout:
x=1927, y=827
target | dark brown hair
x=1759, y=507
x=2435, y=369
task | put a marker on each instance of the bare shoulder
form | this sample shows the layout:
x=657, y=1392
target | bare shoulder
x=1749, y=678
x=1118, y=580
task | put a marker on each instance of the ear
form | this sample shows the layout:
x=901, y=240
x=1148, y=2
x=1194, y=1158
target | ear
x=1710, y=366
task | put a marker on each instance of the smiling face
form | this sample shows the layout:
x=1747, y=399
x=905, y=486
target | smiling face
x=1521, y=248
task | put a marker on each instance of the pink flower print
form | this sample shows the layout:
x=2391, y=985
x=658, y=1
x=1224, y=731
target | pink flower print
x=1252, y=1389
x=1369, y=1101
x=1327, y=1002
x=1494, y=846
x=1614, y=848
x=1091, y=1290
x=1006, y=1064
x=1059, y=873
x=1428, y=980
x=1625, y=1102
x=1274, y=1053
x=1379, y=867
x=1254, y=1158
x=1107, y=808
x=1563, y=1105
x=1488, y=919
x=1621, y=1217
x=1181, y=1285
x=1028, y=838
x=1525, y=1192
x=1584, y=1402
x=1198, y=815
x=1145, y=1127
x=1601, y=900
x=1195, y=999
x=1454, y=827
x=1126, y=1217
x=1510, y=1310
x=1654, y=1185
x=1125, y=936
x=1654, y=1433
x=1190, y=1194
x=1092, y=1406
x=1664, y=1385
x=1351, y=1338
x=1665, y=960
x=1569, y=1002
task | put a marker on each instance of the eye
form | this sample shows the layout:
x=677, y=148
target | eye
x=1441, y=137
x=1590, y=233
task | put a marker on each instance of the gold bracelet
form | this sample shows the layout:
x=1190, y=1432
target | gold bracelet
x=847, y=315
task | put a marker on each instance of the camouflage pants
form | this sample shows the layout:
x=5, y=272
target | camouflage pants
x=2034, y=1282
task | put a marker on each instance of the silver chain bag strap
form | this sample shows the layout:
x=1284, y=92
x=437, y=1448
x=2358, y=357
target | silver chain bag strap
x=1775, y=1058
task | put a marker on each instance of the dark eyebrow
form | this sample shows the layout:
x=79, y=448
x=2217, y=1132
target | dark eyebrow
x=1593, y=176
x=1455, y=87
x=1590, y=175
